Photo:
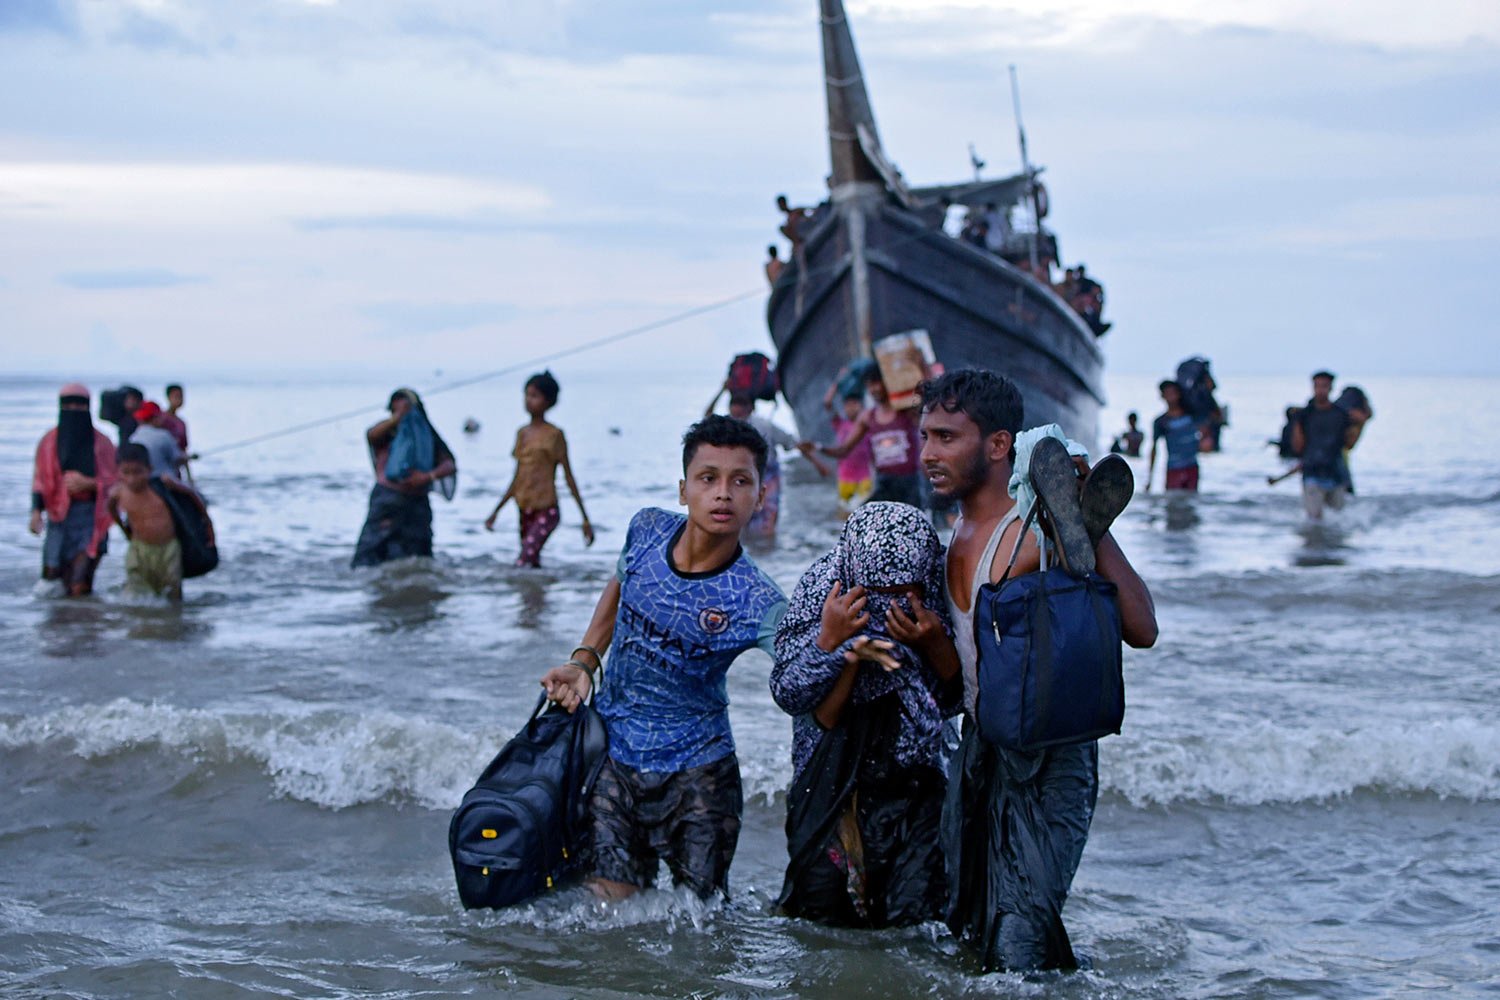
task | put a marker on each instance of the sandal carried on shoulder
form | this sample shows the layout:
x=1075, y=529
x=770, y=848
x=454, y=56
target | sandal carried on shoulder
x=1106, y=492
x=1055, y=479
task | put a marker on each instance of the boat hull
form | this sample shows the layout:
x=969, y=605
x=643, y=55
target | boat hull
x=978, y=311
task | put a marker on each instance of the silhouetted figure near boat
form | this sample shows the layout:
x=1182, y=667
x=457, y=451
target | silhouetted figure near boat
x=795, y=217
x=775, y=266
x=539, y=451
x=409, y=458
x=1183, y=437
x=70, y=482
x=1128, y=442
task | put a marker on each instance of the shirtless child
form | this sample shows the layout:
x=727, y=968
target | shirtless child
x=153, y=563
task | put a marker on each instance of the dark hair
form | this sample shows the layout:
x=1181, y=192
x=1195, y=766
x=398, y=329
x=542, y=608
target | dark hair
x=772, y=250
x=1323, y=374
x=855, y=395
x=992, y=401
x=1132, y=415
x=724, y=432
x=1162, y=385
x=544, y=383
x=133, y=453
x=130, y=390
x=872, y=375
x=173, y=386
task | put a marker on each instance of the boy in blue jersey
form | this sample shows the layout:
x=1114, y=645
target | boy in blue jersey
x=684, y=603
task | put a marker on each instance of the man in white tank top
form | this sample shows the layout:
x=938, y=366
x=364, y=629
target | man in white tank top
x=1008, y=893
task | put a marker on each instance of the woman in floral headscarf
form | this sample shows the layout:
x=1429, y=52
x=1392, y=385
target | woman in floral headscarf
x=865, y=665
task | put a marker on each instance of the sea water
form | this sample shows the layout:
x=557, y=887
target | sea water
x=248, y=794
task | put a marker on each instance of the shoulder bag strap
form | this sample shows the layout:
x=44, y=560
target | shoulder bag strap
x=1016, y=549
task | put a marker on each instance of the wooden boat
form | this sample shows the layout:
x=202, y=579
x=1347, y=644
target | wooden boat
x=874, y=260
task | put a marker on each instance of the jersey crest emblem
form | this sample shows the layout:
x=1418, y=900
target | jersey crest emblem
x=714, y=621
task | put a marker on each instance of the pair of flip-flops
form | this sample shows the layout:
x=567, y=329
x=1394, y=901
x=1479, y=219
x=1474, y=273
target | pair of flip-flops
x=1077, y=518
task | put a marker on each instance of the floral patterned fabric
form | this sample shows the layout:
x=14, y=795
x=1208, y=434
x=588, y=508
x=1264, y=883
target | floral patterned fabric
x=882, y=545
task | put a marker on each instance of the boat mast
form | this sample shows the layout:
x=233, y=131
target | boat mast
x=848, y=101
x=1036, y=215
x=856, y=184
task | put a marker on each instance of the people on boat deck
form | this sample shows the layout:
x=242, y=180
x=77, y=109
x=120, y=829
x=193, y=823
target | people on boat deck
x=1015, y=823
x=71, y=477
x=774, y=264
x=795, y=217
x=1128, y=441
x=856, y=472
x=866, y=667
x=409, y=459
x=684, y=603
x=1184, y=440
x=742, y=407
x=892, y=434
x=153, y=561
x=996, y=228
x=539, y=451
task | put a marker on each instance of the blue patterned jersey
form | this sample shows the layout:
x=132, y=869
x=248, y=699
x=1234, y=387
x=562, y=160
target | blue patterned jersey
x=664, y=698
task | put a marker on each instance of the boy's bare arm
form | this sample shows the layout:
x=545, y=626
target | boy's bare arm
x=114, y=509
x=570, y=683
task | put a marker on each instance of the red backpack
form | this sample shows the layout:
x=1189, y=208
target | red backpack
x=753, y=375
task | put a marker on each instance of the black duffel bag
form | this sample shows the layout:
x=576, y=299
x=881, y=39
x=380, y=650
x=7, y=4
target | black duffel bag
x=523, y=828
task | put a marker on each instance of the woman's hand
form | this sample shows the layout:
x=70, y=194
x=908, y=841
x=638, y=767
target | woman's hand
x=844, y=615
x=877, y=651
x=588, y=533
x=920, y=630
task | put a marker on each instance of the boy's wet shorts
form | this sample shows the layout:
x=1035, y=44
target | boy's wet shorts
x=689, y=819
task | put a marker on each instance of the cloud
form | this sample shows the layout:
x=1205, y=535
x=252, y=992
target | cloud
x=128, y=278
x=221, y=195
x=56, y=16
x=405, y=319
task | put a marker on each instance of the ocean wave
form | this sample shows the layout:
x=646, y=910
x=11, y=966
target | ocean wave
x=337, y=759
x=1266, y=763
x=333, y=759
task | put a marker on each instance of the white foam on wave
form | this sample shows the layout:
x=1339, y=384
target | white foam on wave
x=331, y=758
x=1268, y=763
x=337, y=758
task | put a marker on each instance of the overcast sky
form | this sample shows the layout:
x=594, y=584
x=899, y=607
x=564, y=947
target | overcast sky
x=193, y=186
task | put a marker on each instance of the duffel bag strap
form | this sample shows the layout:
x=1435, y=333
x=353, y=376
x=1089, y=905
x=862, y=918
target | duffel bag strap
x=1016, y=549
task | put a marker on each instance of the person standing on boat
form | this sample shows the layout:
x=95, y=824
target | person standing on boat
x=1015, y=824
x=1183, y=436
x=893, y=445
x=774, y=264
x=74, y=470
x=410, y=457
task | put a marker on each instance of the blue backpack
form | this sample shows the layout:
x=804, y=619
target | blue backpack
x=1050, y=665
x=523, y=828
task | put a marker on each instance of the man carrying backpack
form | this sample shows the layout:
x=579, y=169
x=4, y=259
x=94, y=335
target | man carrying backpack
x=1009, y=889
